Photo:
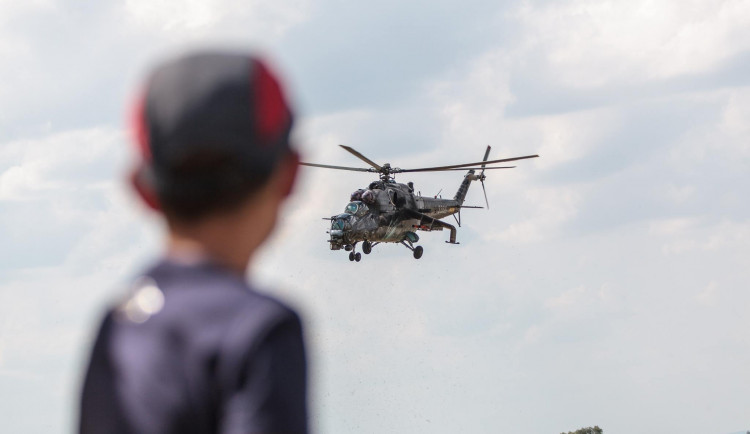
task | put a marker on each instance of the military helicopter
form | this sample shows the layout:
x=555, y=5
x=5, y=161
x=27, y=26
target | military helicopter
x=389, y=212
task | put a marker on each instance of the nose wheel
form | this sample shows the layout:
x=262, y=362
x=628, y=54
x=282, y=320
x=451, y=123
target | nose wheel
x=354, y=255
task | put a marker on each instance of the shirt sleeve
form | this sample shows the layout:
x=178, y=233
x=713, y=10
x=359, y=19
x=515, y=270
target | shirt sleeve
x=271, y=396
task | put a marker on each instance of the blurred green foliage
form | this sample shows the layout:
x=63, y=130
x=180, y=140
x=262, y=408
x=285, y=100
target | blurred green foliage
x=589, y=430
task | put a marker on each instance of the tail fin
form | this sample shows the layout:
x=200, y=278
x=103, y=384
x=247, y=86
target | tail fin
x=470, y=176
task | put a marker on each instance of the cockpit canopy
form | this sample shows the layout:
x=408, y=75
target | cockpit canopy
x=337, y=224
x=340, y=223
x=357, y=208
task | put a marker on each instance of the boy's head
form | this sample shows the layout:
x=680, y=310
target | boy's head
x=212, y=127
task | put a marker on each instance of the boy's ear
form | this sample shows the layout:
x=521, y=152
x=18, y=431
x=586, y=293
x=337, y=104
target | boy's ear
x=143, y=188
x=289, y=170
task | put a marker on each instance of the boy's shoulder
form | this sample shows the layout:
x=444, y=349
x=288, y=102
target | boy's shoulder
x=201, y=296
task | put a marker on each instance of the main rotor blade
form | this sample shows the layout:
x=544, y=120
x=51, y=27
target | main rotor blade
x=483, y=168
x=454, y=166
x=363, y=158
x=327, y=166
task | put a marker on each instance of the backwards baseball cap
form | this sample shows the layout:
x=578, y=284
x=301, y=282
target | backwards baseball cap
x=210, y=126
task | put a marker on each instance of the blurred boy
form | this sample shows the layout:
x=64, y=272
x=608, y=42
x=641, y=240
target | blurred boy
x=193, y=348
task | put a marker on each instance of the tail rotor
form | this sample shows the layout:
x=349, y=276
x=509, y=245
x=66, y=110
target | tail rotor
x=472, y=174
x=482, y=177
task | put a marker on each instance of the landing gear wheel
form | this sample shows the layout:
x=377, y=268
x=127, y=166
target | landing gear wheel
x=366, y=247
x=418, y=252
x=357, y=256
x=351, y=256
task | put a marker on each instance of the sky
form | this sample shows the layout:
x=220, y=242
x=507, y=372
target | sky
x=606, y=285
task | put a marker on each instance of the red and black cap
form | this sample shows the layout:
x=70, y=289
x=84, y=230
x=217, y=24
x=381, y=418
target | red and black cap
x=211, y=121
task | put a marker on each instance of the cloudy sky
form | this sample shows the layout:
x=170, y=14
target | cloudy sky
x=607, y=284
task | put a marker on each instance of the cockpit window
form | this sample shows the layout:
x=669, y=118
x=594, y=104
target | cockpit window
x=356, y=208
x=337, y=224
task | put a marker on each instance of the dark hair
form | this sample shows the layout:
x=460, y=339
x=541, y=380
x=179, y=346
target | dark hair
x=206, y=184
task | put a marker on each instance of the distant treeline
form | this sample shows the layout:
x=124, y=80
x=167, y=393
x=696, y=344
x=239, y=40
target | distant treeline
x=590, y=430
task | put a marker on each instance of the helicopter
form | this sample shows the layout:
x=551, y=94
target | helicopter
x=391, y=212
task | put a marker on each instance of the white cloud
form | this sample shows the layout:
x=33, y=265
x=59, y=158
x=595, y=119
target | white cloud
x=33, y=169
x=70, y=237
x=261, y=18
x=708, y=294
x=11, y=10
x=734, y=126
x=720, y=237
x=679, y=193
x=167, y=15
x=472, y=104
x=568, y=299
x=547, y=209
x=674, y=226
x=591, y=43
x=723, y=136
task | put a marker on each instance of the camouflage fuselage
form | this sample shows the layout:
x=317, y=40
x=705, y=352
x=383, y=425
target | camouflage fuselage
x=389, y=217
